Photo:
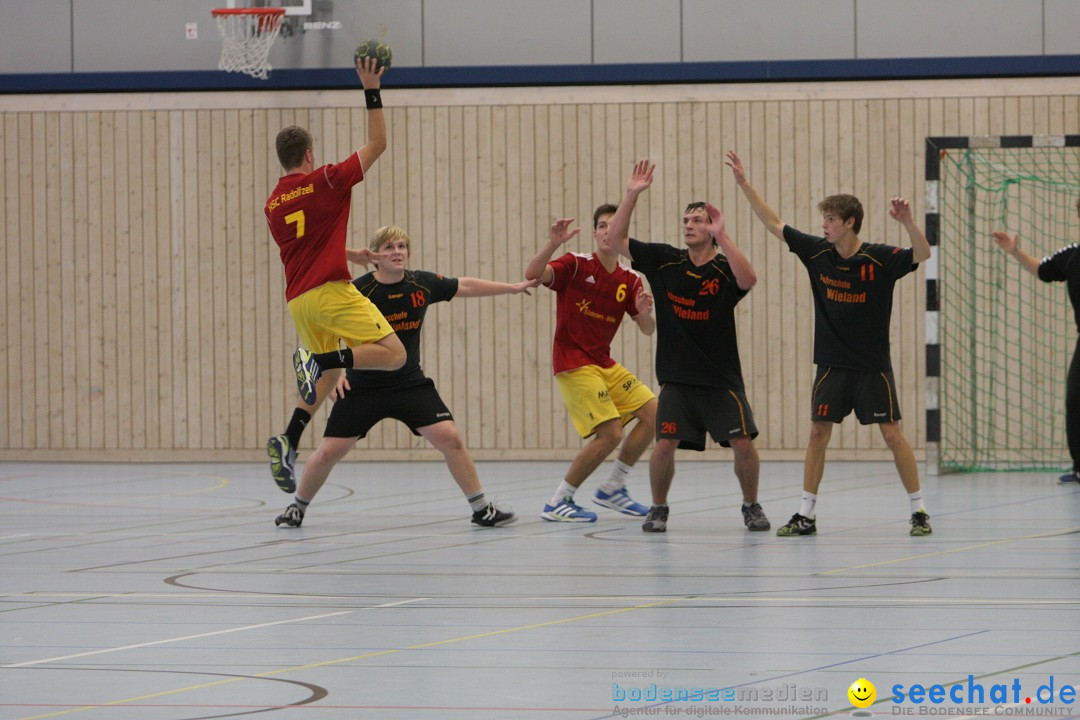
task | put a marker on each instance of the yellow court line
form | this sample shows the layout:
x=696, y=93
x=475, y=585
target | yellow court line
x=365, y=656
x=1051, y=533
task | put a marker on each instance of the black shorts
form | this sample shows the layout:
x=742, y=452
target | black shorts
x=686, y=412
x=417, y=406
x=838, y=391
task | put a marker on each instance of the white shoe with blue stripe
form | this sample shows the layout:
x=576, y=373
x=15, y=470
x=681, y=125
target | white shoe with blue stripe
x=620, y=501
x=567, y=511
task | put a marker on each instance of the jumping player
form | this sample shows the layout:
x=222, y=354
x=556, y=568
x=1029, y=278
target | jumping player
x=308, y=213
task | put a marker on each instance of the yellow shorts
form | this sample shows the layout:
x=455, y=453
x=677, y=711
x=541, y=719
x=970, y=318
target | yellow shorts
x=336, y=311
x=594, y=395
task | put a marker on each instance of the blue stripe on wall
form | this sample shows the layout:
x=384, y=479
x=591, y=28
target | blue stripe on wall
x=524, y=75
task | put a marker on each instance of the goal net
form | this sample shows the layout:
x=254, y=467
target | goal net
x=1003, y=337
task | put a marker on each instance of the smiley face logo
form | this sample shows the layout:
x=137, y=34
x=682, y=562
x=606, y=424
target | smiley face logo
x=862, y=693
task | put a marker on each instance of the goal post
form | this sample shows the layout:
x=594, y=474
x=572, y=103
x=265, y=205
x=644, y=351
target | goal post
x=998, y=340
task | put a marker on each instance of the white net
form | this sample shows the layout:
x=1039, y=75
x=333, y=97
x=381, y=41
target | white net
x=246, y=38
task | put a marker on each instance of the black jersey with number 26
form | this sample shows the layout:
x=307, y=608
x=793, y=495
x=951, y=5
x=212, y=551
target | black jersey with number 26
x=695, y=316
x=852, y=299
x=404, y=305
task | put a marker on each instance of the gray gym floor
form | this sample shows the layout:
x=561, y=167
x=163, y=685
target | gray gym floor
x=160, y=592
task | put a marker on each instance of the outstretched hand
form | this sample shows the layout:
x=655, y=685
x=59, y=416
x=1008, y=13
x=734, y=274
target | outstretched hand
x=736, y=166
x=524, y=286
x=641, y=178
x=561, y=232
x=370, y=72
x=364, y=256
x=715, y=225
x=643, y=302
x=1007, y=242
x=900, y=210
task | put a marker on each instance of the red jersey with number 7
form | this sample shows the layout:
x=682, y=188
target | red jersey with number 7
x=589, y=306
x=309, y=217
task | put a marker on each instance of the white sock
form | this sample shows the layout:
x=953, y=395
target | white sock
x=566, y=490
x=916, y=501
x=809, y=500
x=477, y=502
x=617, y=480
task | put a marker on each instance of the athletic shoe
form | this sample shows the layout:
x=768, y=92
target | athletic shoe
x=657, y=520
x=292, y=516
x=1071, y=476
x=620, y=501
x=308, y=373
x=567, y=511
x=920, y=523
x=754, y=517
x=282, y=462
x=492, y=516
x=798, y=525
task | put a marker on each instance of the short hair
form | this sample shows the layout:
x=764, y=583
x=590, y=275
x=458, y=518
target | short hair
x=605, y=209
x=292, y=143
x=699, y=206
x=845, y=207
x=387, y=233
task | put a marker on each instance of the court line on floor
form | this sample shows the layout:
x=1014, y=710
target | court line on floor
x=364, y=656
x=1051, y=533
x=205, y=635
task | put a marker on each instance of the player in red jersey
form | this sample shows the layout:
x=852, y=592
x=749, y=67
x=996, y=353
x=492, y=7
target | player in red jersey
x=308, y=214
x=594, y=291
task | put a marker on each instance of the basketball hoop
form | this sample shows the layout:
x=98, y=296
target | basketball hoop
x=246, y=36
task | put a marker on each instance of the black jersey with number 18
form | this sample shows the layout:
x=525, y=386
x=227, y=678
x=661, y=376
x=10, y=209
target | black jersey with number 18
x=404, y=305
x=852, y=299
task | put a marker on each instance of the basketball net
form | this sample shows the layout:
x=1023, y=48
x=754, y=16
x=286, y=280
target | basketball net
x=246, y=37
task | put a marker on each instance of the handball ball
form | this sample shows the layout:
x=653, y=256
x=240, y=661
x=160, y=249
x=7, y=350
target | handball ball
x=374, y=49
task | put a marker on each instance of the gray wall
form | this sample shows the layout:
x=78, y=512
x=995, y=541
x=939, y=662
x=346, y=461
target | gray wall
x=134, y=35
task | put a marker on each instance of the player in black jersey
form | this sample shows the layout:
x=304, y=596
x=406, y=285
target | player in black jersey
x=695, y=290
x=364, y=397
x=852, y=284
x=1062, y=266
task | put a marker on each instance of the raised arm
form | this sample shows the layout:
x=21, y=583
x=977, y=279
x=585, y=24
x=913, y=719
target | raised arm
x=765, y=214
x=901, y=211
x=619, y=228
x=645, y=320
x=559, y=234
x=370, y=78
x=478, y=287
x=745, y=277
x=364, y=256
x=1010, y=244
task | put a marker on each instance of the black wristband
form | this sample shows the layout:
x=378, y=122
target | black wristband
x=373, y=99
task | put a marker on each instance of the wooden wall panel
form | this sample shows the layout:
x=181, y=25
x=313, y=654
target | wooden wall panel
x=136, y=243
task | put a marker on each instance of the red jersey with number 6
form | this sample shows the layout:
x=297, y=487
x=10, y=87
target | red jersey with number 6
x=590, y=304
x=308, y=217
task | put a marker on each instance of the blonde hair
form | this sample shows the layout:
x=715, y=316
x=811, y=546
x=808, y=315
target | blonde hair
x=387, y=233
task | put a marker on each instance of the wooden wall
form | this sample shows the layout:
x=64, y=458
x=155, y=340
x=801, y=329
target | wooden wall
x=144, y=315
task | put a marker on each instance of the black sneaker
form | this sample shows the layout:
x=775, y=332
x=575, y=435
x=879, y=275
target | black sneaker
x=754, y=517
x=308, y=373
x=1070, y=477
x=492, y=516
x=798, y=525
x=920, y=523
x=282, y=462
x=293, y=516
x=657, y=519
